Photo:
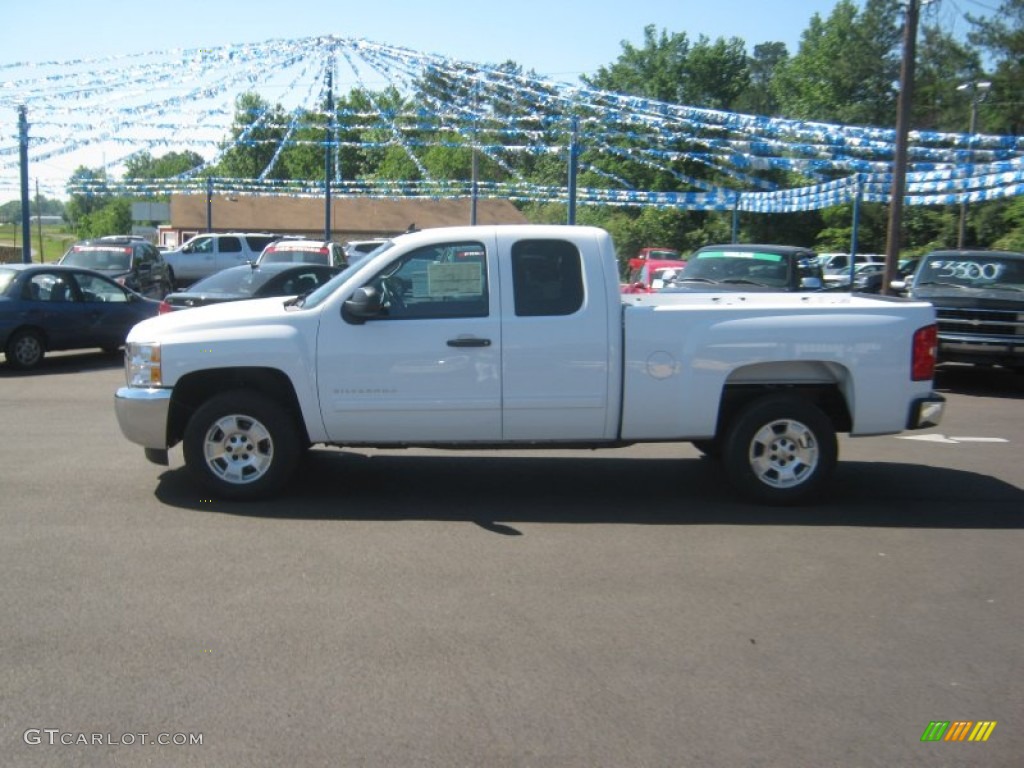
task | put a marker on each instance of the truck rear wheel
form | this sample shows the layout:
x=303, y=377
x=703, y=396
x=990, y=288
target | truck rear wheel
x=780, y=450
x=241, y=445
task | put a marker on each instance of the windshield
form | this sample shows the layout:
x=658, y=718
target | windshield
x=976, y=270
x=737, y=266
x=6, y=277
x=104, y=258
x=325, y=290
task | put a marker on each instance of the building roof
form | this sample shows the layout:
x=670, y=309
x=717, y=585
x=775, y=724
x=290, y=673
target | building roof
x=351, y=216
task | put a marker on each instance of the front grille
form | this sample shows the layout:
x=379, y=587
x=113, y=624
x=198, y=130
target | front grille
x=980, y=322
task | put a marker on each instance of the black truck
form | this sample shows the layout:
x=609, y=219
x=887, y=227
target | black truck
x=979, y=300
x=744, y=267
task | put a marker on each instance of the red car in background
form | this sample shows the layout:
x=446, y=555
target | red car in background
x=651, y=275
x=653, y=254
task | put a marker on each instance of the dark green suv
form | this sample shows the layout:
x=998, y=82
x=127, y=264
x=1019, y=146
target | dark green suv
x=133, y=262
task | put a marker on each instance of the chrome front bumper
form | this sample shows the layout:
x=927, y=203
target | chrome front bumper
x=927, y=411
x=142, y=416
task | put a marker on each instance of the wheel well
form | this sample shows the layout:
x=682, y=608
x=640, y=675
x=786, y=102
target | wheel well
x=35, y=329
x=827, y=397
x=193, y=390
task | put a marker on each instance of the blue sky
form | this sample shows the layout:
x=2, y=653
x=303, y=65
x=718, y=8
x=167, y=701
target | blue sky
x=557, y=38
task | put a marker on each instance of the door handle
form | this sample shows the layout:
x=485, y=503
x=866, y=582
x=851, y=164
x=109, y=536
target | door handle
x=469, y=341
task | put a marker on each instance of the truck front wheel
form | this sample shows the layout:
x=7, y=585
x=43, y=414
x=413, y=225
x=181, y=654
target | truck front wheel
x=241, y=445
x=780, y=450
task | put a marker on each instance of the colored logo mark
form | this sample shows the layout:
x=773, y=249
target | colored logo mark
x=958, y=730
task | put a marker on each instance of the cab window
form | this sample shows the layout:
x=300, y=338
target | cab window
x=436, y=281
x=547, y=278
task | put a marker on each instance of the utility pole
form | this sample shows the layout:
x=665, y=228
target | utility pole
x=39, y=224
x=899, y=171
x=328, y=145
x=26, y=231
x=979, y=90
x=574, y=153
x=475, y=169
x=209, y=204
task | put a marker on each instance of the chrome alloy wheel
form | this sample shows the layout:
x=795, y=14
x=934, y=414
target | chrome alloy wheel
x=783, y=453
x=238, y=449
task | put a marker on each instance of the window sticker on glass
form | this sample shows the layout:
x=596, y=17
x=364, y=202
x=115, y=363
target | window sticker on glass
x=454, y=279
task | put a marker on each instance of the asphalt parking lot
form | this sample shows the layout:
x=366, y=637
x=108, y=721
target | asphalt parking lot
x=420, y=608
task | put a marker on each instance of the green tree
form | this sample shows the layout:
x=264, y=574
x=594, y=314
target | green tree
x=656, y=70
x=758, y=98
x=87, y=191
x=1001, y=35
x=114, y=218
x=1014, y=238
x=942, y=64
x=145, y=166
x=715, y=73
x=256, y=132
x=709, y=74
x=845, y=68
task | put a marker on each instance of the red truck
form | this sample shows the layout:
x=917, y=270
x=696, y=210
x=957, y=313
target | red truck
x=651, y=274
x=656, y=254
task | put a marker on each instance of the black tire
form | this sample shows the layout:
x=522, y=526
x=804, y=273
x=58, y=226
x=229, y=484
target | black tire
x=780, y=450
x=242, y=445
x=25, y=349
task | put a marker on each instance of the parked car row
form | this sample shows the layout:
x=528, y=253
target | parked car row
x=729, y=267
x=140, y=266
x=102, y=287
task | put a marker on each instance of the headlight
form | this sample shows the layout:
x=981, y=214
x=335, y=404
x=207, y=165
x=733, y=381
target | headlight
x=142, y=365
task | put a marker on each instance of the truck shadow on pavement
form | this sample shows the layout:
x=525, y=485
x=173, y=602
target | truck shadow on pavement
x=68, y=362
x=495, y=491
x=980, y=382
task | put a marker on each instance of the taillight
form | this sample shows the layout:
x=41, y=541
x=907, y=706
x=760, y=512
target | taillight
x=926, y=344
x=164, y=308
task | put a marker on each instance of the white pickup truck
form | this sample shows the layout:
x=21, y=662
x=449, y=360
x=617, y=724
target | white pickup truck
x=518, y=336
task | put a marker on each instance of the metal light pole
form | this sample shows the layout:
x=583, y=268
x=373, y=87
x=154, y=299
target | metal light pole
x=979, y=90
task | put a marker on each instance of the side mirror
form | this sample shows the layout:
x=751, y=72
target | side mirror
x=811, y=283
x=898, y=285
x=364, y=304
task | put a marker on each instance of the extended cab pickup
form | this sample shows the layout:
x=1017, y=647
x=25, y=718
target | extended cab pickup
x=501, y=336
